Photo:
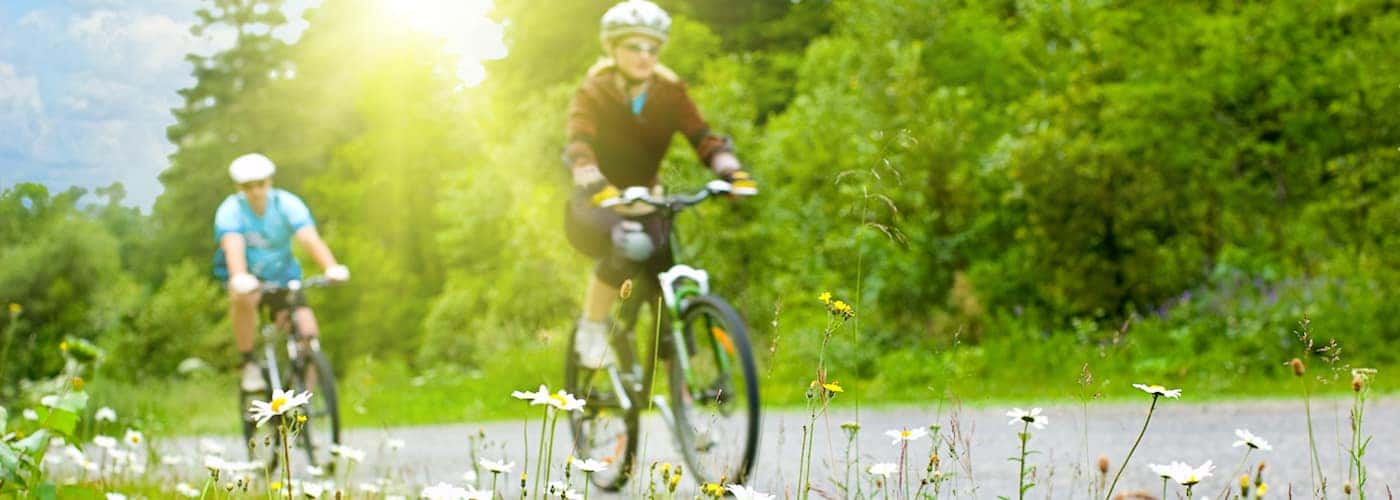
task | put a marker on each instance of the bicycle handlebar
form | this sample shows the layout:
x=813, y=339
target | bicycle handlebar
x=642, y=194
x=317, y=281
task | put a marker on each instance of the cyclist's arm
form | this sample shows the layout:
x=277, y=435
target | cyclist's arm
x=715, y=151
x=311, y=241
x=582, y=127
x=235, y=255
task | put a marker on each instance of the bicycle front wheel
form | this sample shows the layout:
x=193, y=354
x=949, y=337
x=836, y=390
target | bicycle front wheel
x=714, y=392
x=322, y=428
x=604, y=430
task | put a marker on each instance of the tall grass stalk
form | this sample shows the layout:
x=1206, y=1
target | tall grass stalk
x=1360, y=386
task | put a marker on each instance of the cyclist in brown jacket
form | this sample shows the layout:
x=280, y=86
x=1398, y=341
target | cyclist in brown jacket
x=620, y=124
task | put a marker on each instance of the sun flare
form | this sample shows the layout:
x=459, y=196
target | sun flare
x=461, y=24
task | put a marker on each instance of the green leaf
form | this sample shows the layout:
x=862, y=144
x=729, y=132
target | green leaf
x=75, y=492
x=74, y=402
x=9, y=465
x=61, y=421
x=35, y=443
x=46, y=491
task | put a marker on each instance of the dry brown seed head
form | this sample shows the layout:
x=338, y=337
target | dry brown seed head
x=1357, y=382
x=1297, y=365
x=1103, y=464
x=1346, y=488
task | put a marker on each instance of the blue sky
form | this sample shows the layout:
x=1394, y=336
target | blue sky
x=86, y=88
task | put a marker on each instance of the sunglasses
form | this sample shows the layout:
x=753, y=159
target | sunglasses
x=252, y=184
x=638, y=48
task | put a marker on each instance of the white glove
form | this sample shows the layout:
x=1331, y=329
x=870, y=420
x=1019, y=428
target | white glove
x=338, y=273
x=243, y=283
x=724, y=163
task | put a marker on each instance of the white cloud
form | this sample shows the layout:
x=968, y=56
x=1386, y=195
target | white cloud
x=22, y=114
x=140, y=42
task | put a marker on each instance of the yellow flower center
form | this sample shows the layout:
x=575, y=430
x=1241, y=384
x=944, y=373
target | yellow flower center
x=135, y=439
x=277, y=405
x=1156, y=388
x=905, y=434
x=558, y=399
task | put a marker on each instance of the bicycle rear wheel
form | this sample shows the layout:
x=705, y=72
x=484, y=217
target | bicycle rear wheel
x=603, y=430
x=322, y=428
x=714, y=392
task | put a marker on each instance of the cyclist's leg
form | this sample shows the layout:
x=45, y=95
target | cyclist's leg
x=243, y=314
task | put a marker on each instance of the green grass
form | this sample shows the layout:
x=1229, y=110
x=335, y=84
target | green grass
x=377, y=393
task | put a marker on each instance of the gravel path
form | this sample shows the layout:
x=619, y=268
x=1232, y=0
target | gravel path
x=1189, y=432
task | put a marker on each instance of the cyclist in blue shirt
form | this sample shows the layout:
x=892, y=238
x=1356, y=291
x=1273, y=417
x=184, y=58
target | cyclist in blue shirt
x=254, y=229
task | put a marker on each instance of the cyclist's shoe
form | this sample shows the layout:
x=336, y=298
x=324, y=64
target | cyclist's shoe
x=591, y=345
x=251, y=378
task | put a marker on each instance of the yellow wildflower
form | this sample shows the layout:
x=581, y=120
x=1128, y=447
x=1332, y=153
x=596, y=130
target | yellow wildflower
x=833, y=386
x=825, y=297
x=16, y=308
x=63, y=346
x=276, y=485
x=301, y=419
x=78, y=383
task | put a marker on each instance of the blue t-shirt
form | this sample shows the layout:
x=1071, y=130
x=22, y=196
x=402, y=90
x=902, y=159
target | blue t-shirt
x=268, y=238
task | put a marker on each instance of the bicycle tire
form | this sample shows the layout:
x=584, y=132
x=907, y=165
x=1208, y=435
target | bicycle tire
x=322, y=428
x=728, y=457
x=603, y=409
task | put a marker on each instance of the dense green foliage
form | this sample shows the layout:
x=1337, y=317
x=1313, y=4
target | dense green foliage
x=1037, y=183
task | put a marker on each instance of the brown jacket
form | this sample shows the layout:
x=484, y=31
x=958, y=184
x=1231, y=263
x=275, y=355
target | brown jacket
x=628, y=148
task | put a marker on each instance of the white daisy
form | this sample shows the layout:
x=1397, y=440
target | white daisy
x=1157, y=390
x=106, y=442
x=443, y=491
x=1033, y=417
x=134, y=438
x=187, y=490
x=497, y=466
x=105, y=414
x=884, y=469
x=1186, y=475
x=906, y=434
x=211, y=447
x=563, y=491
x=1252, y=441
x=469, y=477
x=566, y=402
x=394, y=444
x=369, y=488
x=742, y=492
x=280, y=403
x=116, y=496
x=351, y=454
x=50, y=401
x=538, y=397
x=1162, y=471
x=589, y=465
x=315, y=471
x=30, y=414
x=313, y=490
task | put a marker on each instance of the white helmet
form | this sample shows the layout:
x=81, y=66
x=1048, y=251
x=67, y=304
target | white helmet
x=251, y=167
x=635, y=17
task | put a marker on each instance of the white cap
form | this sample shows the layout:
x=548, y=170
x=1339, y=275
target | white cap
x=251, y=167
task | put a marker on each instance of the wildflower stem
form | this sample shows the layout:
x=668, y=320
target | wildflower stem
x=1315, y=471
x=1225, y=493
x=1021, y=482
x=286, y=457
x=549, y=455
x=587, y=481
x=494, y=476
x=1164, y=488
x=1114, y=484
x=539, y=456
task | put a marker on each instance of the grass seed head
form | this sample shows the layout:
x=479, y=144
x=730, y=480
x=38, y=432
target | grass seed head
x=1298, y=368
x=1103, y=464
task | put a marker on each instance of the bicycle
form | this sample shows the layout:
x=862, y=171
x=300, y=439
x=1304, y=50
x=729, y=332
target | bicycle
x=306, y=369
x=713, y=408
